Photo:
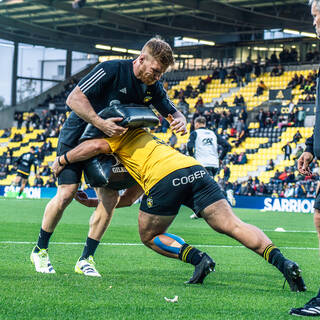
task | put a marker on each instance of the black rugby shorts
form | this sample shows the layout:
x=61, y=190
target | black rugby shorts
x=72, y=173
x=192, y=187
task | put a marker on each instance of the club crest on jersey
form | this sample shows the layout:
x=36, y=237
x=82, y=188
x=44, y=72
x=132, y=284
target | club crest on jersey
x=149, y=202
x=147, y=99
x=123, y=90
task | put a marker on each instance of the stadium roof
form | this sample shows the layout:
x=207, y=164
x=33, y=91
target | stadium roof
x=130, y=23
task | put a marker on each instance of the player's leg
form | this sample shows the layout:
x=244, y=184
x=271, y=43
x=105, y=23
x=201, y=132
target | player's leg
x=68, y=182
x=52, y=215
x=99, y=222
x=22, y=186
x=316, y=217
x=221, y=218
x=152, y=229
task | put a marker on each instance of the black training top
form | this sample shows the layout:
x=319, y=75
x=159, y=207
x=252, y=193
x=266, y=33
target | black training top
x=25, y=161
x=114, y=81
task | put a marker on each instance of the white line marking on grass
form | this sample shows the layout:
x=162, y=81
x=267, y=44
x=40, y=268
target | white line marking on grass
x=141, y=244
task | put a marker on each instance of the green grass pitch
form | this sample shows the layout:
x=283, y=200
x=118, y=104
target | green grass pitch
x=135, y=280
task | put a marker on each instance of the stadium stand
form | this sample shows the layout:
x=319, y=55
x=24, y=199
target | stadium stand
x=262, y=141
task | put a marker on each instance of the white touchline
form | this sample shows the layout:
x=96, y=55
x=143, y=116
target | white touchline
x=140, y=244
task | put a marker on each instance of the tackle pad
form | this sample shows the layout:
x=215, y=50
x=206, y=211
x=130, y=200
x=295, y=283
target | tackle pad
x=134, y=116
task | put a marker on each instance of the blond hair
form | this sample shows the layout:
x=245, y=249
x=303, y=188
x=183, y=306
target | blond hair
x=160, y=50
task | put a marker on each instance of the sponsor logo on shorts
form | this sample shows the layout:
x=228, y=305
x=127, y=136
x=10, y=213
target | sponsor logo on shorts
x=188, y=179
x=149, y=202
x=119, y=169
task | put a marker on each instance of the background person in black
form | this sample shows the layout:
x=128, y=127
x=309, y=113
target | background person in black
x=24, y=163
x=126, y=81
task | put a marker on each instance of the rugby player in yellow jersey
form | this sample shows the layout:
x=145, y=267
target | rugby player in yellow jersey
x=169, y=180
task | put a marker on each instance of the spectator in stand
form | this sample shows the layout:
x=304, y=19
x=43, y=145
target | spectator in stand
x=51, y=183
x=4, y=170
x=6, y=133
x=188, y=91
x=261, y=189
x=45, y=170
x=242, y=158
x=233, y=131
x=274, y=194
x=261, y=87
x=183, y=106
x=291, y=177
x=276, y=176
x=238, y=100
x=287, y=151
x=17, y=137
x=38, y=181
x=270, y=165
x=283, y=176
x=202, y=85
x=247, y=70
x=300, y=190
x=224, y=121
x=289, y=191
x=222, y=74
x=297, y=137
x=241, y=133
x=301, y=117
x=18, y=116
x=274, y=58
x=274, y=72
x=257, y=70
x=199, y=104
x=226, y=171
x=261, y=117
x=311, y=193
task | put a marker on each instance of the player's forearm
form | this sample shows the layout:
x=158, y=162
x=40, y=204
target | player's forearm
x=80, y=104
x=85, y=151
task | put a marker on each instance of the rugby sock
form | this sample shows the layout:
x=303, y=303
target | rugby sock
x=274, y=256
x=89, y=248
x=19, y=194
x=43, y=240
x=190, y=254
x=160, y=240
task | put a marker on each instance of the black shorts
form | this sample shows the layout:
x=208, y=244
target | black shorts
x=23, y=175
x=192, y=187
x=72, y=173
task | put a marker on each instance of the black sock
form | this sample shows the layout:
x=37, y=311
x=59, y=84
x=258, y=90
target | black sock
x=190, y=254
x=19, y=194
x=43, y=240
x=89, y=248
x=274, y=256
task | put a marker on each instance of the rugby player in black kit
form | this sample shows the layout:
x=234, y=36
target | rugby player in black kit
x=24, y=163
x=124, y=81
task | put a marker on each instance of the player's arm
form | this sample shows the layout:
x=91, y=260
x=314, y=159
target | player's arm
x=83, y=198
x=126, y=200
x=226, y=147
x=191, y=143
x=92, y=87
x=306, y=157
x=81, y=152
x=130, y=196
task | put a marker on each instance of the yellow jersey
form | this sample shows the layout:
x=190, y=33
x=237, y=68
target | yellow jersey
x=147, y=158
